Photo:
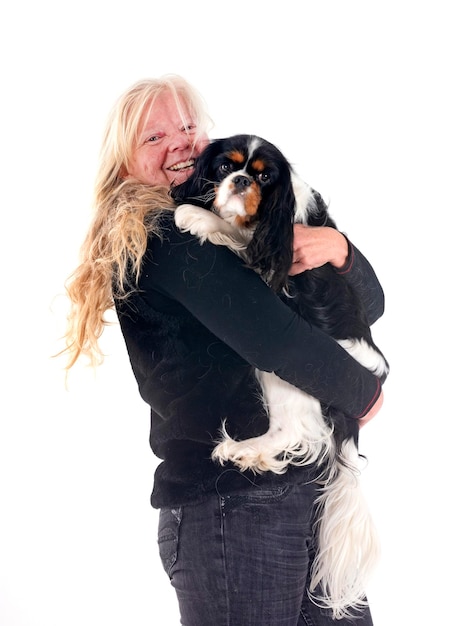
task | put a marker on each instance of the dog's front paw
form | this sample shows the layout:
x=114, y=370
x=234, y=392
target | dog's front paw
x=197, y=221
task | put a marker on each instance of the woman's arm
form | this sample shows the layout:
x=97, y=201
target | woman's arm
x=240, y=309
x=316, y=245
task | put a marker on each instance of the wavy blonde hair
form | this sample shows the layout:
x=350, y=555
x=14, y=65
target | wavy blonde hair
x=125, y=214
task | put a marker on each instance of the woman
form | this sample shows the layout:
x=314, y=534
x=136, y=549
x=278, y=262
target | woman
x=196, y=322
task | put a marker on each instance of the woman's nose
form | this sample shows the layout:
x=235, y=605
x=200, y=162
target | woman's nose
x=178, y=141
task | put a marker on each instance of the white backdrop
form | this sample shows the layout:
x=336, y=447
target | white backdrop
x=374, y=104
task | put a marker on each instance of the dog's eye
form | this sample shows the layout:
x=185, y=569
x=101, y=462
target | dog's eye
x=263, y=177
x=225, y=168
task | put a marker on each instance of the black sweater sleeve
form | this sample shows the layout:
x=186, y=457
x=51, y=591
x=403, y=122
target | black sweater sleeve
x=362, y=277
x=234, y=304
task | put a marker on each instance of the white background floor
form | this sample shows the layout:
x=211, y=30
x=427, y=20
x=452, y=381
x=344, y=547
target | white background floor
x=374, y=104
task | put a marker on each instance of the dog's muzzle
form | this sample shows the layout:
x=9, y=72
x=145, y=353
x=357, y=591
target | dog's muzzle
x=241, y=183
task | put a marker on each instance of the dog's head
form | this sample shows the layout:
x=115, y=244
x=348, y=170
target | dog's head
x=248, y=182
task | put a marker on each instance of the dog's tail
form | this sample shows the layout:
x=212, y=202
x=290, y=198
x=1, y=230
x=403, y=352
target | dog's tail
x=347, y=543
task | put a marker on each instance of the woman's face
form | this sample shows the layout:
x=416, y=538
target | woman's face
x=165, y=153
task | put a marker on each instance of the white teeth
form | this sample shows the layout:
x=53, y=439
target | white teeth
x=181, y=166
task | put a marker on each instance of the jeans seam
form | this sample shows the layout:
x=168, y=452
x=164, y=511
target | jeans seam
x=305, y=618
x=225, y=568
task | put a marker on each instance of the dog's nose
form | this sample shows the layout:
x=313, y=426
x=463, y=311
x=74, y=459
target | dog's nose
x=241, y=182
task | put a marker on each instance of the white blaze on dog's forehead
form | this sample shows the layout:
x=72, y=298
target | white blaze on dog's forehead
x=253, y=145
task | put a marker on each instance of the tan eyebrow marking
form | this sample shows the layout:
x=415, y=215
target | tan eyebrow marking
x=236, y=156
x=259, y=165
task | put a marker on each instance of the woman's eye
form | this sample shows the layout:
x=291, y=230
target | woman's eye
x=153, y=139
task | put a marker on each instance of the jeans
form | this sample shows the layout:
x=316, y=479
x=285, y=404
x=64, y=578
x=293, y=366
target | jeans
x=244, y=559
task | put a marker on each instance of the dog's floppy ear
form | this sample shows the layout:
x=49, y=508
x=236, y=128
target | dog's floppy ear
x=271, y=248
x=196, y=189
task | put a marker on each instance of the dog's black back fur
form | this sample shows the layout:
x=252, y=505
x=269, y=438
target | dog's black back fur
x=322, y=296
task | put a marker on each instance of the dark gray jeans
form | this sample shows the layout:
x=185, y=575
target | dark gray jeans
x=244, y=559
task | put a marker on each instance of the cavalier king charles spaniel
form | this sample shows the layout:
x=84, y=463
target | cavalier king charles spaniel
x=244, y=194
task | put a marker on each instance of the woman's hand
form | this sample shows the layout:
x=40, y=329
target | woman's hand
x=373, y=411
x=317, y=245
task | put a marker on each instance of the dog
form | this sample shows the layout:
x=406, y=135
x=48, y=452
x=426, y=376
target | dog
x=245, y=194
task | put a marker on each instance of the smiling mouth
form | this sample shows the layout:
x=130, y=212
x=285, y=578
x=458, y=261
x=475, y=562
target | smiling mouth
x=184, y=165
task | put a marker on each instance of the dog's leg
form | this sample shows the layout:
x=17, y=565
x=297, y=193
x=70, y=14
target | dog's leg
x=365, y=355
x=347, y=540
x=208, y=226
x=297, y=432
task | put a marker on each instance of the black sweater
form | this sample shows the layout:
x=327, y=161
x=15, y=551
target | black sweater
x=196, y=329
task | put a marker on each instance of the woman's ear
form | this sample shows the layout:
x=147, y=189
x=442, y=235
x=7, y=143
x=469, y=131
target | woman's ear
x=123, y=173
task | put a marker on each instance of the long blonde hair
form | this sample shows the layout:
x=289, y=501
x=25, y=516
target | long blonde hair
x=125, y=214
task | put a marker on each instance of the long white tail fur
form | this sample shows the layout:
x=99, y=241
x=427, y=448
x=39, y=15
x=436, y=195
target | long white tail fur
x=348, y=547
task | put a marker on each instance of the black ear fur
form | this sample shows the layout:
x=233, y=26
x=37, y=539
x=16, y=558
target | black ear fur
x=271, y=248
